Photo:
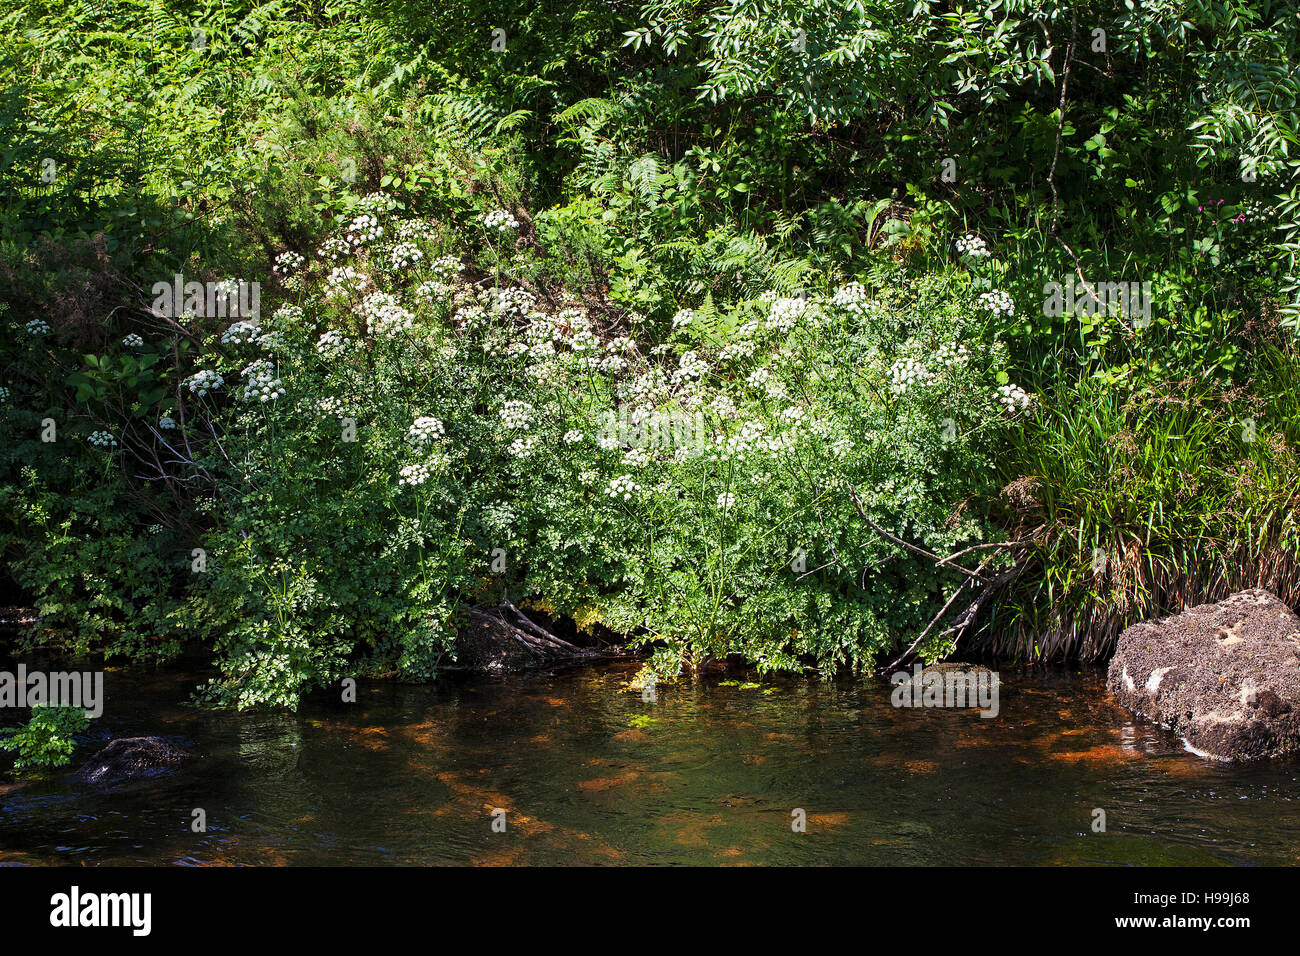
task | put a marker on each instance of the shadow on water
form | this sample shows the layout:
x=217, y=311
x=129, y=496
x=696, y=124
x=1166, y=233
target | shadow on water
x=590, y=773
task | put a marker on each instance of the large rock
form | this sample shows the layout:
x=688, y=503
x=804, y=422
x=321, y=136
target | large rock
x=131, y=758
x=1225, y=677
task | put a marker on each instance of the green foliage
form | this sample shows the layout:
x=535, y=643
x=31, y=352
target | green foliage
x=46, y=740
x=738, y=217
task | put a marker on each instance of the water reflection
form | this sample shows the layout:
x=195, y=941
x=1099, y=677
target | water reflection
x=589, y=772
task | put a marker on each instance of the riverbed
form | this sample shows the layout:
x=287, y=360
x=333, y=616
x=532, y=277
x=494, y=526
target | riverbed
x=717, y=771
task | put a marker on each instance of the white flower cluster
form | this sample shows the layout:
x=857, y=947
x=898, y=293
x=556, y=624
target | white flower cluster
x=523, y=447
x=386, y=316
x=1014, y=398
x=500, y=220
x=513, y=301
x=363, y=230
x=345, y=280
x=425, y=429
x=241, y=332
x=742, y=346
x=332, y=406
x=432, y=290
x=414, y=230
x=132, y=341
x=951, y=355
x=726, y=501
x=785, y=313
x=723, y=407
x=973, y=246
x=287, y=263
x=761, y=379
x=573, y=436
x=376, y=204
x=262, y=385
x=682, y=318
x=332, y=344
x=102, y=439
x=998, y=302
x=585, y=340
x=405, y=255
x=38, y=327
x=413, y=475
x=204, y=381
x=690, y=367
x=472, y=317
x=272, y=341
x=334, y=249
x=167, y=423
x=1255, y=212
x=622, y=487
x=446, y=268
x=905, y=373
x=746, y=442
x=851, y=298
x=516, y=414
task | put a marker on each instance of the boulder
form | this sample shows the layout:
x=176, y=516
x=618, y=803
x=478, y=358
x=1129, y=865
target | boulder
x=131, y=758
x=1224, y=677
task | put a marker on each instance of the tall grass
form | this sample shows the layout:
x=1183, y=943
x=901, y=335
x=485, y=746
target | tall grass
x=1142, y=502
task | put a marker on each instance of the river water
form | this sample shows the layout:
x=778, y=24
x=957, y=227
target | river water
x=711, y=772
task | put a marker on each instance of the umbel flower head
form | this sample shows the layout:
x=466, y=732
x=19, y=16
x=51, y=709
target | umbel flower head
x=204, y=381
x=998, y=302
x=423, y=430
x=499, y=220
x=262, y=385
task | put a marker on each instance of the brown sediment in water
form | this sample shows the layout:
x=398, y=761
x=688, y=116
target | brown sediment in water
x=426, y=733
x=921, y=766
x=488, y=801
x=608, y=783
x=506, y=856
x=827, y=821
x=691, y=827
x=371, y=738
x=1100, y=755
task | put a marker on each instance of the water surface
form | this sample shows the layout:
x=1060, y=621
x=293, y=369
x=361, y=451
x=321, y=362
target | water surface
x=590, y=773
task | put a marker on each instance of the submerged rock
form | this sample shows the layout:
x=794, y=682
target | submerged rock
x=1225, y=677
x=131, y=758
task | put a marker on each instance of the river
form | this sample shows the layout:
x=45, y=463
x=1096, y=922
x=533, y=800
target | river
x=710, y=772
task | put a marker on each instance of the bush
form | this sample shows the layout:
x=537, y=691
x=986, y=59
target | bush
x=46, y=739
